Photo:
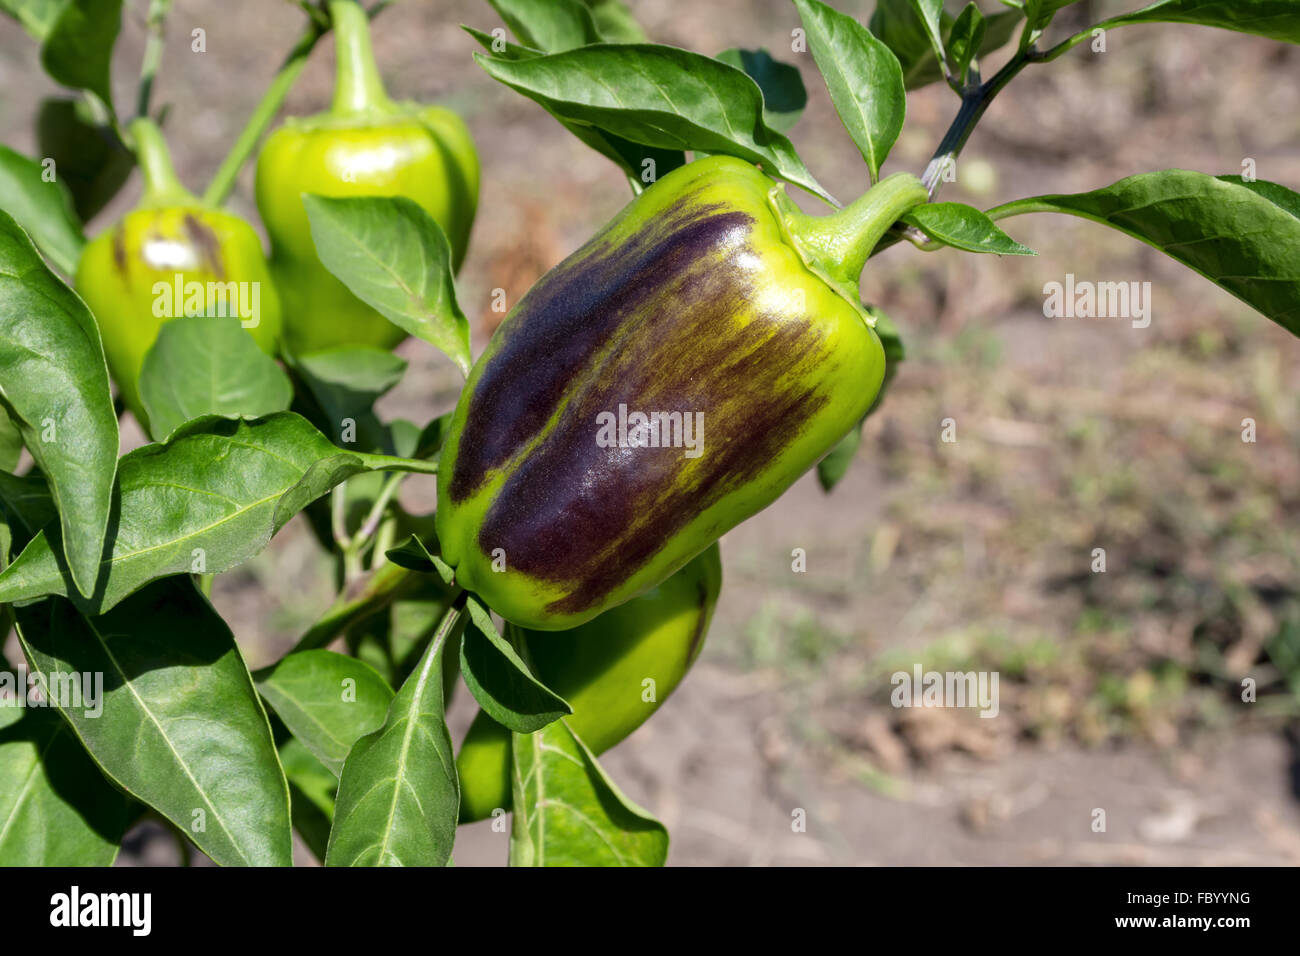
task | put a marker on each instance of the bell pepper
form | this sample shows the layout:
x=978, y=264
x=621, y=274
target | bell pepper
x=602, y=669
x=365, y=145
x=171, y=256
x=667, y=381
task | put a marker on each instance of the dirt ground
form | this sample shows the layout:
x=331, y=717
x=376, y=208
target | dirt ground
x=1120, y=691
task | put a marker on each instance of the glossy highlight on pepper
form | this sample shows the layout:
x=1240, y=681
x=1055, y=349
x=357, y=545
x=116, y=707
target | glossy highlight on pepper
x=171, y=256
x=708, y=295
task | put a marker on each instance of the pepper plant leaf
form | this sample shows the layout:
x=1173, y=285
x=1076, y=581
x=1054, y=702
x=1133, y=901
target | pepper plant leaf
x=500, y=680
x=43, y=208
x=901, y=28
x=784, y=96
x=658, y=95
x=864, y=78
x=311, y=795
x=615, y=22
x=208, y=498
x=36, y=16
x=1275, y=19
x=54, y=384
x=179, y=725
x=552, y=26
x=203, y=365
x=641, y=164
x=1244, y=237
x=78, y=51
x=964, y=40
x=89, y=157
x=27, y=501
x=394, y=257
x=56, y=808
x=328, y=701
x=931, y=13
x=11, y=441
x=964, y=227
x=399, y=795
x=568, y=812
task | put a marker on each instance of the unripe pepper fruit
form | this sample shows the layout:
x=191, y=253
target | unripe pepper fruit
x=128, y=274
x=711, y=296
x=366, y=145
x=601, y=669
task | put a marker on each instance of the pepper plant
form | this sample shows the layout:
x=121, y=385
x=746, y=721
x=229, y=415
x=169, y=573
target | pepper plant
x=665, y=382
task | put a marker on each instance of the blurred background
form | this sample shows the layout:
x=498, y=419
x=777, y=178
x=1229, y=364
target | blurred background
x=1119, y=691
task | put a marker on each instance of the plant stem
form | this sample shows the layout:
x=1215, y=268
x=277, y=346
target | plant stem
x=224, y=180
x=161, y=185
x=383, y=541
x=338, y=517
x=358, y=87
x=153, y=49
x=371, y=524
x=973, y=104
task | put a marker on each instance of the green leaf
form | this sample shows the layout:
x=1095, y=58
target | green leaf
x=208, y=498
x=42, y=208
x=931, y=13
x=658, y=95
x=614, y=22
x=54, y=384
x=36, y=16
x=180, y=727
x=569, y=813
x=327, y=700
x=311, y=795
x=345, y=383
x=79, y=49
x=784, y=96
x=1040, y=13
x=552, y=26
x=964, y=40
x=399, y=796
x=1276, y=19
x=901, y=29
x=56, y=808
x=833, y=468
x=641, y=164
x=1244, y=238
x=11, y=441
x=864, y=79
x=964, y=227
x=414, y=556
x=27, y=499
x=393, y=256
x=208, y=366
x=88, y=157
x=501, y=682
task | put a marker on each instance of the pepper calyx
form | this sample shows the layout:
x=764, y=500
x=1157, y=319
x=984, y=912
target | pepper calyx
x=358, y=85
x=836, y=247
x=162, y=187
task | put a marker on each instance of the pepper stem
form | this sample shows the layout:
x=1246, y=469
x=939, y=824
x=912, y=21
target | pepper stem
x=358, y=87
x=840, y=244
x=162, y=187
